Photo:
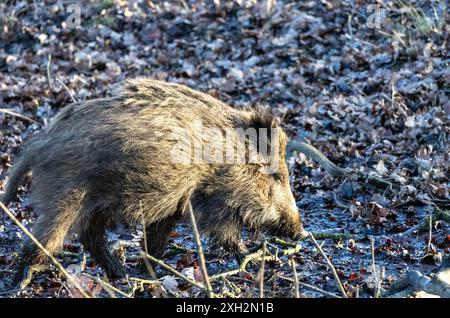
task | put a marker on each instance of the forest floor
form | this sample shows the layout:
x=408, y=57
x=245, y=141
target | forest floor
x=367, y=85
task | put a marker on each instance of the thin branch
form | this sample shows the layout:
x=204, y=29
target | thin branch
x=15, y=291
x=209, y=291
x=316, y=289
x=107, y=286
x=50, y=85
x=12, y=113
x=67, y=89
x=294, y=271
x=173, y=271
x=145, y=281
x=330, y=265
x=68, y=276
x=336, y=236
x=261, y=271
x=147, y=264
x=49, y=78
x=430, y=233
x=225, y=274
x=376, y=275
x=256, y=256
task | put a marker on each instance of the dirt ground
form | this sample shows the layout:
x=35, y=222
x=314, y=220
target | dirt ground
x=367, y=85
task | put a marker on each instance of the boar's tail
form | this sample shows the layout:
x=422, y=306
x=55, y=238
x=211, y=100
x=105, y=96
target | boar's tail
x=315, y=154
x=21, y=167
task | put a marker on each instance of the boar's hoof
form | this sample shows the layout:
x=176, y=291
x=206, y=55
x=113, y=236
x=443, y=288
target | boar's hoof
x=239, y=252
x=24, y=275
x=115, y=270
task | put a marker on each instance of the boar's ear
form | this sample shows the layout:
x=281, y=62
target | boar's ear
x=260, y=127
x=265, y=124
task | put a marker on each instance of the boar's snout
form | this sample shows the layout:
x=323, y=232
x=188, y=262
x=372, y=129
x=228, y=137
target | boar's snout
x=291, y=225
x=300, y=234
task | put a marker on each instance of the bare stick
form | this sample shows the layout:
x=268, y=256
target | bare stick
x=330, y=265
x=69, y=277
x=294, y=270
x=376, y=275
x=336, y=236
x=261, y=271
x=437, y=215
x=145, y=281
x=12, y=113
x=316, y=289
x=294, y=248
x=218, y=6
x=14, y=291
x=49, y=78
x=200, y=251
x=67, y=89
x=255, y=257
x=173, y=271
x=50, y=85
x=149, y=266
x=107, y=286
x=430, y=233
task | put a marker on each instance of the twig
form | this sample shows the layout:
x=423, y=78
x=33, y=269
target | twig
x=430, y=233
x=12, y=113
x=336, y=236
x=438, y=215
x=261, y=271
x=50, y=85
x=49, y=78
x=338, y=203
x=294, y=270
x=145, y=281
x=68, y=276
x=349, y=23
x=67, y=89
x=294, y=248
x=218, y=7
x=278, y=241
x=255, y=257
x=147, y=264
x=107, y=285
x=200, y=251
x=376, y=276
x=225, y=274
x=175, y=249
x=330, y=265
x=14, y=291
x=173, y=271
x=316, y=289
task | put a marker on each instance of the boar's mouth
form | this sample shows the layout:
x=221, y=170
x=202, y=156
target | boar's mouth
x=287, y=230
x=281, y=229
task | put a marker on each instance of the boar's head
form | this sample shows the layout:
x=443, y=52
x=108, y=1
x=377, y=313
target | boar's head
x=256, y=192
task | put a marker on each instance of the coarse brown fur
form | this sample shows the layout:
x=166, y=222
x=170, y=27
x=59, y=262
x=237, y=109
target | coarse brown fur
x=106, y=161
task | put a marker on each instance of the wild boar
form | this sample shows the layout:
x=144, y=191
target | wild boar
x=131, y=159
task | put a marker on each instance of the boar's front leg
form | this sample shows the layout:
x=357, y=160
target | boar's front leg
x=228, y=234
x=157, y=234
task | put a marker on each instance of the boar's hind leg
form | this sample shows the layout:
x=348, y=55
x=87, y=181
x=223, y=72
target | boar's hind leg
x=50, y=230
x=158, y=235
x=93, y=238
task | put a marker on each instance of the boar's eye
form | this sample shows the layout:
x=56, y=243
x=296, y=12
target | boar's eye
x=278, y=177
